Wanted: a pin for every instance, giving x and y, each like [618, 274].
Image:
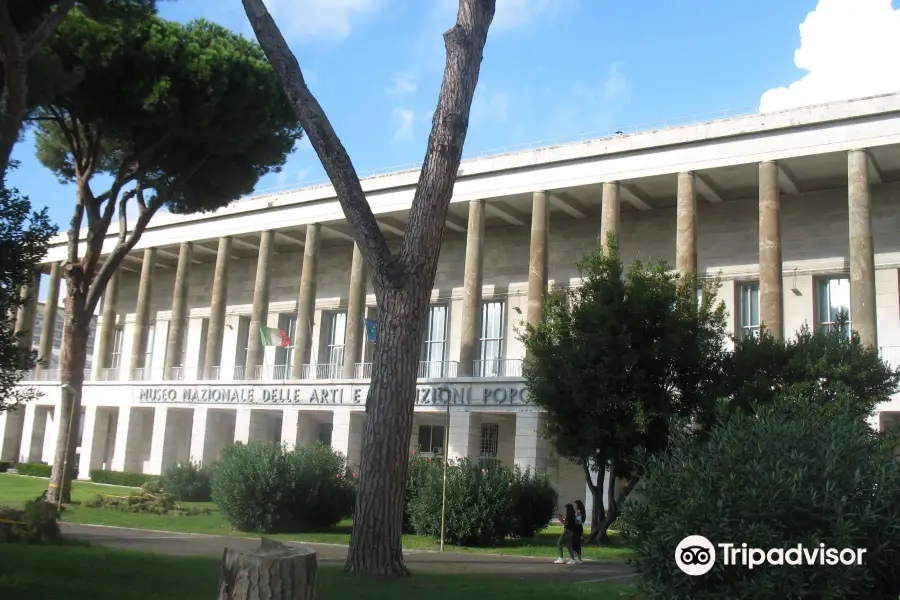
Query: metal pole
[446, 460]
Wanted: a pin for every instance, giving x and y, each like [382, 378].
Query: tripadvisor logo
[695, 555]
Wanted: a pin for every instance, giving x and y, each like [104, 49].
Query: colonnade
[862, 278]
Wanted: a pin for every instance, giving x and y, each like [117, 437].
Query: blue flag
[370, 330]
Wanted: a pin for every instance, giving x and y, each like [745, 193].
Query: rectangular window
[491, 339]
[284, 357]
[490, 442]
[335, 349]
[435, 343]
[115, 357]
[243, 339]
[324, 433]
[748, 309]
[431, 439]
[832, 299]
[201, 359]
[148, 350]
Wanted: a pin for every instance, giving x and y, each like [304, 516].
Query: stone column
[290, 419]
[686, 239]
[198, 434]
[216, 327]
[27, 313]
[771, 282]
[260, 310]
[177, 326]
[473, 280]
[609, 216]
[306, 305]
[862, 252]
[158, 441]
[142, 316]
[26, 443]
[531, 450]
[356, 312]
[107, 336]
[243, 423]
[45, 347]
[538, 263]
[88, 442]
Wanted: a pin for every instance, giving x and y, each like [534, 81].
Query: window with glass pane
[201, 354]
[748, 309]
[115, 357]
[435, 343]
[182, 355]
[148, 350]
[431, 439]
[336, 343]
[491, 339]
[832, 299]
[243, 340]
[284, 357]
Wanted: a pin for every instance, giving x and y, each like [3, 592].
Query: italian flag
[274, 337]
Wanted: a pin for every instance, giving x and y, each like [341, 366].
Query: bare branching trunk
[617, 490]
[14, 55]
[402, 282]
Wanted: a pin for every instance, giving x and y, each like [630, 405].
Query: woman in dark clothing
[580, 516]
[567, 536]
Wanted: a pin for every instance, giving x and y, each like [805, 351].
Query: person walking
[568, 521]
[578, 534]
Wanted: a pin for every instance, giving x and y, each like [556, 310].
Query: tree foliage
[23, 242]
[181, 117]
[803, 468]
[619, 355]
[762, 366]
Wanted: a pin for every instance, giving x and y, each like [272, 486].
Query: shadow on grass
[78, 571]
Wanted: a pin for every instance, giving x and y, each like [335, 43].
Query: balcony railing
[426, 370]
[498, 367]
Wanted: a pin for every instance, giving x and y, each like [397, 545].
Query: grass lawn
[72, 572]
[15, 490]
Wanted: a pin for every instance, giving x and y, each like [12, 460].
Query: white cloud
[320, 19]
[616, 86]
[489, 105]
[404, 118]
[404, 84]
[848, 49]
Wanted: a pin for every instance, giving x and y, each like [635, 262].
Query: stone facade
[796, 225]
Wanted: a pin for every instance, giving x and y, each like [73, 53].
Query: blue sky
[552, 69]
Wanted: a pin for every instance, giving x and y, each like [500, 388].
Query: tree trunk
[72, 360]
[598, 514]
[275, 572]
[376, 545]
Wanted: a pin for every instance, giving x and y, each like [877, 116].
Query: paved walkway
[422, 561]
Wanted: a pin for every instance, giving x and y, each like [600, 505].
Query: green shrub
[533, 503]
[4, 466]
[33, 469]
[479, 504]
[187, 482]
[36, 524]
[151, 499]
[266, 488]
[805, 470]
[418, 469]
[123, 478]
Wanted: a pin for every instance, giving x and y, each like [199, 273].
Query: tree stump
[274, 572]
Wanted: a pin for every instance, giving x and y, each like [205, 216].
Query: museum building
[251, 323]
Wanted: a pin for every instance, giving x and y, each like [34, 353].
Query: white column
[27, 433]
[531, 448]
[51, 427]
[123, 427]
[347, 434]
[158, 441]
[198, 434]
[88, 442]
[460, 443]
[290, 418]
[242, 423]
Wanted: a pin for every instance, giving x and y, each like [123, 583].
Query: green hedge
[4, 466]
[123, 478]
[33, 469]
